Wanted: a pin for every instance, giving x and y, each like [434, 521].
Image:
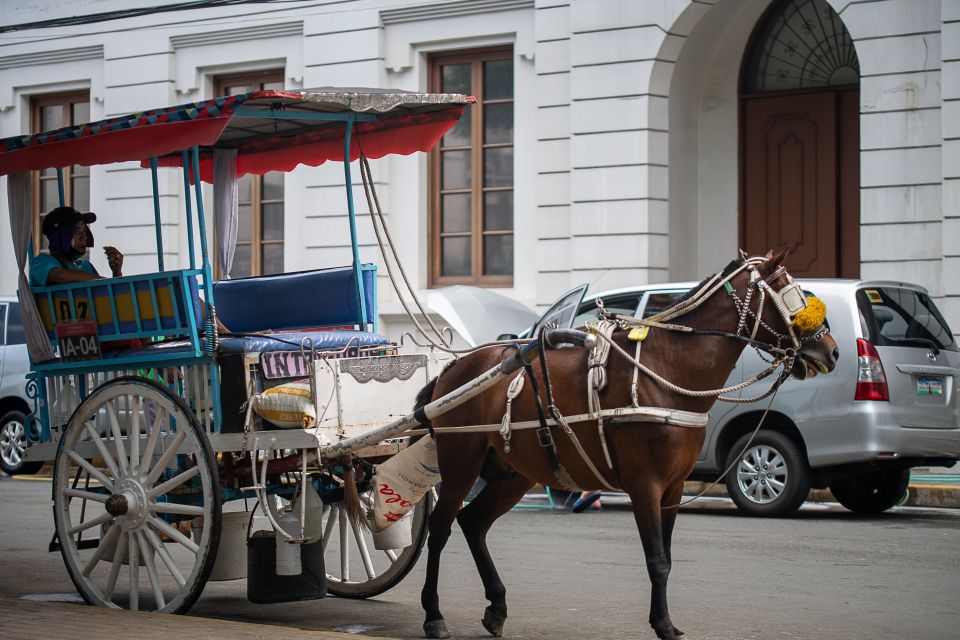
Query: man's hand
[114, 260]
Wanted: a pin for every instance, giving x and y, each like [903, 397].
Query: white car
[14, 404]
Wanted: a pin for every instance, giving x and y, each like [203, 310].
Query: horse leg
[668, 514]
[453, 490]
[496, 498]
[646, 512]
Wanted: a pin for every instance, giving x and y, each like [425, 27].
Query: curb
[941, 496]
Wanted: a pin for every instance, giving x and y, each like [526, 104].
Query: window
[48, 113]
[3, 320]
[15, 332]
[471, 173]
[259, 198]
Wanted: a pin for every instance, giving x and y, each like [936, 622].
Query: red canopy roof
[405, 122]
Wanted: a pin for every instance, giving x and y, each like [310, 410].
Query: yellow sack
[288, 405]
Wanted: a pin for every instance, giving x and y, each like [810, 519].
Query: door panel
[790, 181]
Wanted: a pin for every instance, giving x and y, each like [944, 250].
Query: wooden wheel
[135, 467]
[355, 569]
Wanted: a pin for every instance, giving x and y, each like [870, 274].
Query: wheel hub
[129, 504]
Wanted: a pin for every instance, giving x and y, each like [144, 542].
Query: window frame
[37, 103]
[476, 57]
[220, 84]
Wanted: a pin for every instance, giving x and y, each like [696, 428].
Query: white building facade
[617, 142]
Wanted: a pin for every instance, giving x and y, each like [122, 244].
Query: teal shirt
[43, 264]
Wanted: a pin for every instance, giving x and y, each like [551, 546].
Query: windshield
[563, 310]
[893, 316]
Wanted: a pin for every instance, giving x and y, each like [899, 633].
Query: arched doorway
[799, 105]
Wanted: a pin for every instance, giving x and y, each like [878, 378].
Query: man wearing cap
[69, 237]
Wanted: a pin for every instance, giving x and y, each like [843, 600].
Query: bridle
[788, 301]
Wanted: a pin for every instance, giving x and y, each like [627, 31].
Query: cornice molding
[457, 8]
[258, 32]
[52, 57]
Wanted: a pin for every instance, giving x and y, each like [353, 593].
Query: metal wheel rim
[359, 580]
[166, 566]
[13, 443]
[762, 474]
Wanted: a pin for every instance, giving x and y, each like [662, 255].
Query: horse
[751, 302]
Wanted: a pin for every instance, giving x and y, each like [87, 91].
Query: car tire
[871, 492]
[13, 444]
[768, 478]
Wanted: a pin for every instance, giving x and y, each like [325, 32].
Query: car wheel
[13, 444]
[770, 477]
[871, 492]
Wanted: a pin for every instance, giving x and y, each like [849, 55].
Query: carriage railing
[56, 396]
[141, 307]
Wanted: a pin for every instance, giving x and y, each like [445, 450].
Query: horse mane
[727, 270]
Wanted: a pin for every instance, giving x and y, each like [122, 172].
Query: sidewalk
[29, 620]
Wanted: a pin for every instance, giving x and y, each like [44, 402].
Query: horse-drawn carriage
[164, 430]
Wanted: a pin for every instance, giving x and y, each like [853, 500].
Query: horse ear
[774, 260]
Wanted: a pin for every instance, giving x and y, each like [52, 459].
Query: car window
[3, 323]
[562, 311]
[659, 301]
[903, 317]
[15, 333]
[620, 305]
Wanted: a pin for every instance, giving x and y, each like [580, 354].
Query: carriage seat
[295, 301]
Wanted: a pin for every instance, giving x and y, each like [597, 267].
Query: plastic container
[398, 535]
[231, 562]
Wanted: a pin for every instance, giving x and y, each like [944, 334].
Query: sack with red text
[402, 481]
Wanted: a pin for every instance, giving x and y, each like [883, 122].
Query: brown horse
[649, 461]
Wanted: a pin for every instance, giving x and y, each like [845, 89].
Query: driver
[69, 236]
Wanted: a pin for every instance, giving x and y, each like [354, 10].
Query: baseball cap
[65, 217]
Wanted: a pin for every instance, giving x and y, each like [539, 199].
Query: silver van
[890, 405]
[14, 405]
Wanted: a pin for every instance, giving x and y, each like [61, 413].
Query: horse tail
[425, 395]
[351, 498]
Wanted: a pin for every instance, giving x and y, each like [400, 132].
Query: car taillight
[871, 380]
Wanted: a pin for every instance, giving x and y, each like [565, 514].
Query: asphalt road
[824, 573]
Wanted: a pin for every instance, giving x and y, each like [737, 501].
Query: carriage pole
[553, 339]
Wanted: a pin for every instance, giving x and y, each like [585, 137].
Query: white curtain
[225, 207]
[21, 225]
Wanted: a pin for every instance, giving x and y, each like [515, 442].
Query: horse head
[787, 317]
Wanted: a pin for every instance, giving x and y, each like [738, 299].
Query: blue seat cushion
[291, 341]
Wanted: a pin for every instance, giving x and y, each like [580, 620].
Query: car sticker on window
[873, 296]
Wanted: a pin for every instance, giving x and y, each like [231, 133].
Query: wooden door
[800, 181]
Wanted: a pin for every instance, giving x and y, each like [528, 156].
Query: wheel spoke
[105, 542]
[174, 533]
[391, 554]
[118, 553]
[174, 482]
[328, 529]
[344, 547]
[165, 458]
[362, 546]
[155, 430]
[102, 449]
[89, 524]
[134, 572]
[93, 496]
[117, 436]
[148, 560]
[173, 507]
[92, 470]
[134, 433]
[165, 557]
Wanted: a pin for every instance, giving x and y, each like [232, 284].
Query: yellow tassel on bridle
[811, 318]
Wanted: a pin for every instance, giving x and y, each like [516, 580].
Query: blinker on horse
[647, 449]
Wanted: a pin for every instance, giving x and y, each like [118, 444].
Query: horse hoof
[493, 622]
[678, 635]
[435, 629]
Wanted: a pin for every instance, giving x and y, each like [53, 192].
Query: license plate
[78, 340]
[929, 386]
